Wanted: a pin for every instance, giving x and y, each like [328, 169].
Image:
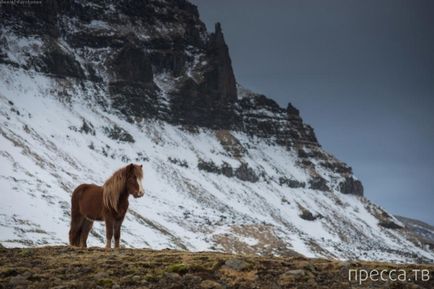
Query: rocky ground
[65, 267]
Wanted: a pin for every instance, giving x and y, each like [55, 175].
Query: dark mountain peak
[156, 59]
[218, 33]
[291, 110]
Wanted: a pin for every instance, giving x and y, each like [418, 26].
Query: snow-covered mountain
[89, 86]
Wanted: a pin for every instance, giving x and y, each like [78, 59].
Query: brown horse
[108, 203]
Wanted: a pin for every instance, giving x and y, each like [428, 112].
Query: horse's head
[134, 180]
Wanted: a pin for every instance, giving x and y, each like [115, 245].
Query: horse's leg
[109, 222]
[77, 218]
[75, 231]
[85, 229]
[117, 227]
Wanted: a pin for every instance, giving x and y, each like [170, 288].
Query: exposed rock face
[351, 186]
[318, 183]
[117, 42]
[132, 64]
[245, 173]
[221, 78]
[210, 99]
[122, 45]
[132, 88]
[264, 117]
[57, 62]
[291, 183]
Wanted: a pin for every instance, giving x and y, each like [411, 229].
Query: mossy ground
[65, 267]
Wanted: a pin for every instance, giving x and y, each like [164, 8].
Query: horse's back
[87, 199]
[86, 187]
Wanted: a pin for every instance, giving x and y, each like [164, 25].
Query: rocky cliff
[131, 46]
[86, 87]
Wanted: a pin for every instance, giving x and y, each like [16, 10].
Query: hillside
[63, 267]
[88, 87]
[419, 230]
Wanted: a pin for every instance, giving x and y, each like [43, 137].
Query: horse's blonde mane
[114, 186]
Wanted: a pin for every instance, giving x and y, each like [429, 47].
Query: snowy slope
[46, 151]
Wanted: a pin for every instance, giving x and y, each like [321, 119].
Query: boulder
[318, 183]
[245, 173]
[351, 186]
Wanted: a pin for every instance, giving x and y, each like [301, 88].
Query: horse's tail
[76, 217]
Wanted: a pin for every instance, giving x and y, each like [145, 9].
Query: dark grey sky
[361, 73]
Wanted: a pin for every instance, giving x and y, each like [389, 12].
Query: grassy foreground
[64, 267]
